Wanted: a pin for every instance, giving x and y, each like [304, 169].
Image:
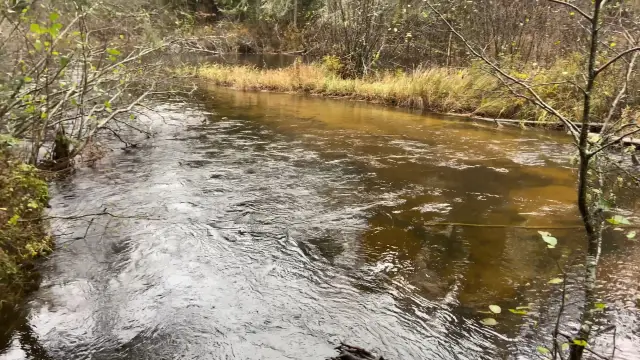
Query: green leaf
[617, 220]
[519, 312]
[580, 342]
[495, 309]
[54, 16]
[14, 219]
[565, 346]
[600, 305]
[113, 52]
[556, 281]
[612, 44]
[36, 29]
[64, 61]
[631, 235]
[54, 29]
[28, 79]
[550, 240]
[33, 204]
[489, 322]
[112, 58]
[543, 350]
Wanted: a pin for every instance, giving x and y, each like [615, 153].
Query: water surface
[269, 226]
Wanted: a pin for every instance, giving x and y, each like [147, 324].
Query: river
[274, 226]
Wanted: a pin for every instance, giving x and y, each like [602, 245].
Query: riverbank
[468, 92]
[23, 196]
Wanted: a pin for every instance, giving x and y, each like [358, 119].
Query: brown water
[273, 226]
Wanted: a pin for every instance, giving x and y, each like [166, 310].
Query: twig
[596, 354]
[115, 133]
[556, 329]
[608, 63]
[613, 352]
[574, 7]
[617, 139]
[76, 217]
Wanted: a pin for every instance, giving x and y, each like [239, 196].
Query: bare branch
[574, 7]
[621, 93]
[614, 141]
[616, 58]
[573, 128]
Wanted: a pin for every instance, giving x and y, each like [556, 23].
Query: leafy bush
[23, 197]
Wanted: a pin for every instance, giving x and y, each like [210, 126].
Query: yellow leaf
[580, 342]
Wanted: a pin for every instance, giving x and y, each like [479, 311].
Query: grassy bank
[444, 90]
[23, 196]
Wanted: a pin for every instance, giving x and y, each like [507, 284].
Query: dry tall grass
[435, 89]
[445, 90]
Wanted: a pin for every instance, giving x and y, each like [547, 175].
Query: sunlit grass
[444, 90]
[435, 89]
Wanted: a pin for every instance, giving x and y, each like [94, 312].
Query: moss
[23, 238]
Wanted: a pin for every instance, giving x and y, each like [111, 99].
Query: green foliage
[598, 307]
[495, 309]
[23, 197]
[332, 64]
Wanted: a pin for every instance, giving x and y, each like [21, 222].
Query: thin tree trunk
[449, 48]
[593, 230]
[295, 14]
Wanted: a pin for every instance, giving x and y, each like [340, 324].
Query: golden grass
[435, 89]
[444, 90]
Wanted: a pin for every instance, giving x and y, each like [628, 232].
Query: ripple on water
[276, 238]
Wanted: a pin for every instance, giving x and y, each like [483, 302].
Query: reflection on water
[273, 226]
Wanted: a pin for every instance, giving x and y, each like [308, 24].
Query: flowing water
[272, 226]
